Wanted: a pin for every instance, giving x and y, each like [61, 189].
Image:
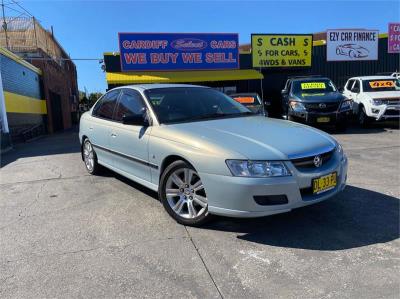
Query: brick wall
[61, 80]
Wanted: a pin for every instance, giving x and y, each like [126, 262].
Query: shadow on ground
[59, 143]
[354, 218]
[357, 217]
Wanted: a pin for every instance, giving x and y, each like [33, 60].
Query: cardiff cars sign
[178, 51]
[352, 45]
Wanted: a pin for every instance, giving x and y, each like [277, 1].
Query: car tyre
[90, 158]
[363, 118]
[183, 195]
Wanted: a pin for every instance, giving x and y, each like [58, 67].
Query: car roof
[309, 79]
[143, 87]
[372, 77]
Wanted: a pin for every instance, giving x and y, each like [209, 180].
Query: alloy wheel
[88, 155]
[185, 193]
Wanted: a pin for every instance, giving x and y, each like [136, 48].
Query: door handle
[90, 128]
[113, 135]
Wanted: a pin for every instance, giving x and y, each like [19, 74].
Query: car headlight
[297, 106]
[340, 151]
[258, 169]
[377, 102]
[346, 104]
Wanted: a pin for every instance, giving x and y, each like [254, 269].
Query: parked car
[207, 155]
[315, 100]
[352, 50]
[375, 98]
[251, 101]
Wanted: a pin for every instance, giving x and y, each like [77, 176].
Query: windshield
[313, 87]
[183, 104]
[381, 85]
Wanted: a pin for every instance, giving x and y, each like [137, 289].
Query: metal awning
[181, 77]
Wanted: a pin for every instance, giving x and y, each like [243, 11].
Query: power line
[20, 6]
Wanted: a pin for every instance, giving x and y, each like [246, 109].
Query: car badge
[322, 105]
[317, 161]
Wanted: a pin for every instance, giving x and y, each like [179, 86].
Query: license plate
[324, 183]
[323, 119]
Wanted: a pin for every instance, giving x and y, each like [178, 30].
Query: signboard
[178, 51]
[394, 38]
[351, 45]
[278, 50]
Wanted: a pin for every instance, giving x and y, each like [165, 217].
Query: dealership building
[39, 90]
[267, 81]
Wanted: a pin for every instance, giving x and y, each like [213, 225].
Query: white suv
[374, 97]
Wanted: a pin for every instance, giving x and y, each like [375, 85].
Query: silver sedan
[206, 154]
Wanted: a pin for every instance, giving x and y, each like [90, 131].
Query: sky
[87, 29]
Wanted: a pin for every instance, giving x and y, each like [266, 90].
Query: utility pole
[4, 25]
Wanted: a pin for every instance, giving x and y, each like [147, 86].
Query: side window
[105, 107]
[356, 86]
[349, 84]
[130, 103]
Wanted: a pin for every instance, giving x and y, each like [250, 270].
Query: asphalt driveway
[64, 233]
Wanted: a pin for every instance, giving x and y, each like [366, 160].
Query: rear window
[381, 85]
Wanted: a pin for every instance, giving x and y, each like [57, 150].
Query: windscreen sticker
[379, 84]
[244, 100]
[313, 85]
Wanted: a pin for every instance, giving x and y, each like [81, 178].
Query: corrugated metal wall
[19, 79]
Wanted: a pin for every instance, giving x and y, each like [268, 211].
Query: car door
[355, 91]
[100, 126]
[130, 142]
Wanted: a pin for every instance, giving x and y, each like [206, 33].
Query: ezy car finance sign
[352, 45]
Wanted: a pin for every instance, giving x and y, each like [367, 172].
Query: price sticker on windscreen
[380, 84]
[244, 100]
[313, 85]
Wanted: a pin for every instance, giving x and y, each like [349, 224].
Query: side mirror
[284, 92]
[355, 90]
[135, 120]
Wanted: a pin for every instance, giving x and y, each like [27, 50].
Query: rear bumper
[234, 196]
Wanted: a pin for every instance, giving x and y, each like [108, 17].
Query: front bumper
[234, 196]
[383, 112]
[312, 117]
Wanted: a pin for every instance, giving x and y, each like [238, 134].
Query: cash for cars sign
[178, 51]
[352, 45]
[394, 38]
[272, 50]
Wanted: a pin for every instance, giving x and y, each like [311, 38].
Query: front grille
[322, 107]
[390, 101]
[308, 191]
[308, 162]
